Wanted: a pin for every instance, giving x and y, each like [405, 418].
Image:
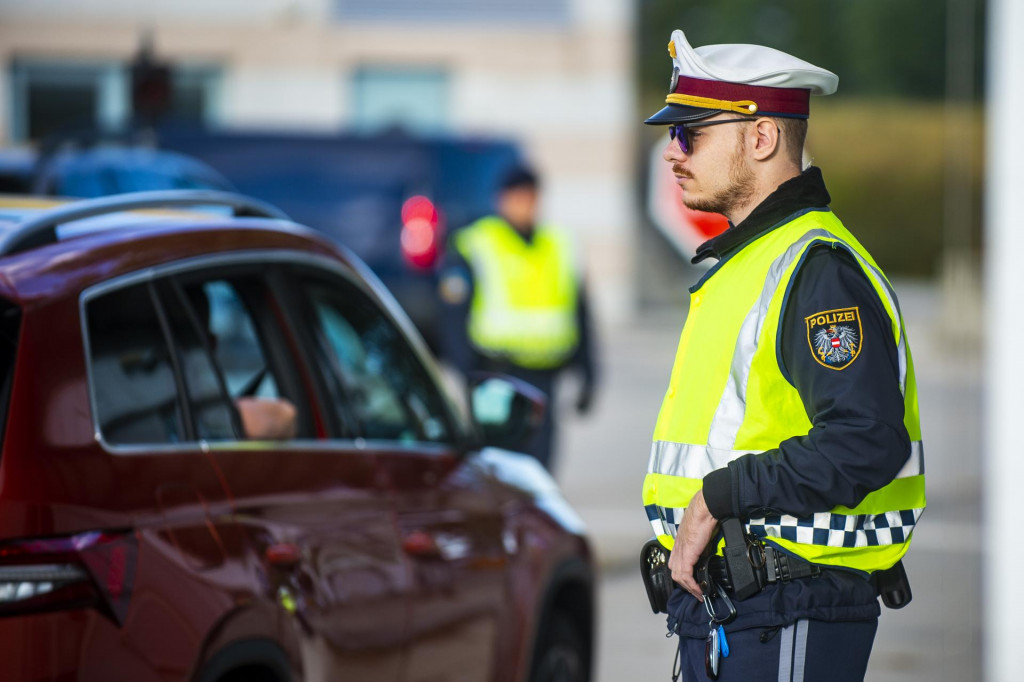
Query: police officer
[514, 302]
[792, 404]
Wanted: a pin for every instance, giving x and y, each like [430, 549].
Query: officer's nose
[672, 152]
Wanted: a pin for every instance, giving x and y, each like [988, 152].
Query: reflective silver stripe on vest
[914, 465]
[732, 407]
[688, 461]
[894, 304]
[697, 461]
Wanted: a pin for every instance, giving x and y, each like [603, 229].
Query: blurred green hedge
[885, 163]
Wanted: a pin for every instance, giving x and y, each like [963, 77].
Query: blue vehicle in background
[390, 198]
[102, 170]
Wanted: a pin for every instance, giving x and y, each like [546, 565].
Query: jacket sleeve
[857, 442]
[455, 292]
[585, 356]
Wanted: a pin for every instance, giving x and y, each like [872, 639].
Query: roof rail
[42, 229]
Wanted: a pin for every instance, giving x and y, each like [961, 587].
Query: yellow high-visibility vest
[728, 396]
[524, 298]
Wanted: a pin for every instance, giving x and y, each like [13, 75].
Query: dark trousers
[806, 651]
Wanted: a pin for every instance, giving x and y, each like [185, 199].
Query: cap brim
[678, 113]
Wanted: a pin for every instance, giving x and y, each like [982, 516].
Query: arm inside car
[267, 418]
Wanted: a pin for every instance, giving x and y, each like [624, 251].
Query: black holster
[893, 586]
[745, 580]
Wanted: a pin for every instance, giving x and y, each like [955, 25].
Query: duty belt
[776, 567]
[749, 564]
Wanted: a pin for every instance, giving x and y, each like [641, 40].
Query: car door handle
[283, 554]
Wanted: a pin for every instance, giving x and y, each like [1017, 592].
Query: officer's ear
[766, 139]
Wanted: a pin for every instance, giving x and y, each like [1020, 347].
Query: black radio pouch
[893, 586]
[656, 575]
[745, 580]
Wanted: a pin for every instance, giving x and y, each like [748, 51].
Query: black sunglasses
[680, 131]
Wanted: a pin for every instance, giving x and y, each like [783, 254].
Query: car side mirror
[508, 412]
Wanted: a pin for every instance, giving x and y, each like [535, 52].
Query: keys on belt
[716, 646]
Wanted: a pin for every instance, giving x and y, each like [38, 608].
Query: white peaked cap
[745, 79]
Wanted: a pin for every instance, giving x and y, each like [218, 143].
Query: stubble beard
[737, 193]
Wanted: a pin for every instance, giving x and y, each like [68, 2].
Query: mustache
[678, 170]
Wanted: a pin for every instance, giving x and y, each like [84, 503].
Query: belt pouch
[656, 575]
[893, 586]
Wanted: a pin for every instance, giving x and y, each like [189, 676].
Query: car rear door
[448, 520]
[316, 522]
[150, 469]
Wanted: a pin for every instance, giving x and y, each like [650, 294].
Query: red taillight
[421, 232]
[93, 569]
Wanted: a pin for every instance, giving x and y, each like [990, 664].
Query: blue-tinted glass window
[380, 382]
[385, 97]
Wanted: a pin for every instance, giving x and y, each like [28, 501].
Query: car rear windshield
[10, 322]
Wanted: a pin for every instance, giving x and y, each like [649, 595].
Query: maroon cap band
[791, 101]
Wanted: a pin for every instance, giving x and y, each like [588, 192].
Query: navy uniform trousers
[806, 651]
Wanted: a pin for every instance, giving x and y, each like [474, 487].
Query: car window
[96, 183]
[385, 388]
[226, 365]
[174, 361]
[135, 392]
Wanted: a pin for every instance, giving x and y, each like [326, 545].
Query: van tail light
[422, 230]
[89, 570]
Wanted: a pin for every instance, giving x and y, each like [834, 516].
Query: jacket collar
[806, 190]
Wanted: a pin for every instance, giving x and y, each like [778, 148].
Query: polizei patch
[835, 337]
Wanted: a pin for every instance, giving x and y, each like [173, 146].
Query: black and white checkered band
[664, 520]
[831, 530]
[840, 530]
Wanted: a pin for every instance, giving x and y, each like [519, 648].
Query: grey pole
[1003, 576]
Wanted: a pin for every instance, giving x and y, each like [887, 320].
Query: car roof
[75, 254]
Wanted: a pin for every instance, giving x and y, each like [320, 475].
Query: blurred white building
[557, 75]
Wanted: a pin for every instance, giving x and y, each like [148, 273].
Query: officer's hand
[694, 535]
[584, 399]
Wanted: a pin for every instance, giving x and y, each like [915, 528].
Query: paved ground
[934, 639]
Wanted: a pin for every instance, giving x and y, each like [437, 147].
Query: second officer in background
[514, 301]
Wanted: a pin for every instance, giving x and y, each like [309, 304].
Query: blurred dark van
[389, 197]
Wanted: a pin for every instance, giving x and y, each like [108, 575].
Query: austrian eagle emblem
[835, 337]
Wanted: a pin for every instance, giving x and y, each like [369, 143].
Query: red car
[227, 456]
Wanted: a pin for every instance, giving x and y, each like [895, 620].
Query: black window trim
[179, 293]
[356, 273]
[184, 404]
